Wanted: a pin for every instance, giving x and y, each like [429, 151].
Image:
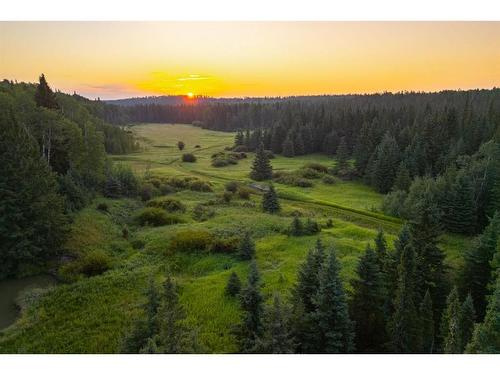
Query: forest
[328, 224]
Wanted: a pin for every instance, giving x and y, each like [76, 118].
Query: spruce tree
[367, 306]
[383, 165]
[246, 248]
[402, 180]
[334, 328]
[460, 206]
[477, 274]
[288, 148]
[427, 324]
[303, 324]
[172, 333]
[239, 139]
[296, 227]
[276, 338]
[342, 155]
[450, 325]
[249, 332]
[270, 202]
[233, 286]
[44, 96]
[467, 320]
[486, 336]
[298, 145]
[404, 327]
[261, 167]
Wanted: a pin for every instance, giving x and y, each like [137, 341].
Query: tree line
[52, 160]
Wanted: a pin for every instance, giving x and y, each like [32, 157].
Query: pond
[10, 289]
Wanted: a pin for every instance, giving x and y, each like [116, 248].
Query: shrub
[244, 192]
[92, 263]
[291, 179]
[138, 244]
[166, 189]
[232, 186]
[302, 182]
[329, 180]
[241, 148]
[224, 245]
[156, 217]
[309, 173]
[188, 158]
[233, 286]
[103, 206]
[197, 146]
[329, 223]
[148, 191]
[317, 167]
[227, 196]
[297, 228]
[198, 185]
[169, 204]
[202, 212]
[269, 154]
[181, 145]
[311, 227]
[191, 241]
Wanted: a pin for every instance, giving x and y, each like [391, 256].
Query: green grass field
[93, 314]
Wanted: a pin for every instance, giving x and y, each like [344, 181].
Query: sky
[237, 59]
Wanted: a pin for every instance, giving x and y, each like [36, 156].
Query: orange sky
[121, 59]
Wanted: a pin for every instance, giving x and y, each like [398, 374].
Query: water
[10, 289]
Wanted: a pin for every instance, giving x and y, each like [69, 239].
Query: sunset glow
[115, 60]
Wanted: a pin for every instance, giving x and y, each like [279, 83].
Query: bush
[198, 185]
[156, 217]
[241, 148]
[317, 167]
[232, 186]
[138, 244]
[227, 196]
[191, 241]
[269, 154]
[169, 204]
[329, 223]
[244, 192]
[297, 228]
[166, 189]
[188, 158]
[291, 179]
[233, 286]
[197, 146]
[148, 191]
[309, 173]
[103, 206]
[302, 182]
[92, 263]
[329, 180]
[202, 212]
[224, 245]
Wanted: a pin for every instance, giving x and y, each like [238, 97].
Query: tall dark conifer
[261, 167]
[44, 96]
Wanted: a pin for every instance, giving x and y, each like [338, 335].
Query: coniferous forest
[233, 256]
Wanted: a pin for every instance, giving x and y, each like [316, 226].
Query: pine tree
[261, 167]
[402, 180]
[460, 206]
[44, 96]
[427, 324]
[367, 306]
[467, 320]
[486, 337]
[383, 165]
[249, 332]
[239, 139]
[342, 155]
[334, 329]
[233, 286]
[296, 227]
[404, 327]
[276, 337]
[270, 202]
[246, 249]
[477, 274]
[381, 249]
[172, 333]
[298, 145]
[288, 147]
[450, 325]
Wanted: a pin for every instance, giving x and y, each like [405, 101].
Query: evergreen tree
[249, 332]
[288, 147]
[239, 139]
[486, 337]
[270, 202]
[477, 274]
[384, 164]
[246, 249]
[460, 206]
[404, 327]
[334, 329]
[276, 337]
[450, 325]
[44, 96]
[296, 228]
[181, 145]
[233, 286]
[342, 155]
[298, 145]
[32, 219]
[427, 324]
[172, 333]
[367, 306]
[402, 180]
[261, 167]
[467, 320]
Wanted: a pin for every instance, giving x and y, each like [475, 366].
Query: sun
[190, 95]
